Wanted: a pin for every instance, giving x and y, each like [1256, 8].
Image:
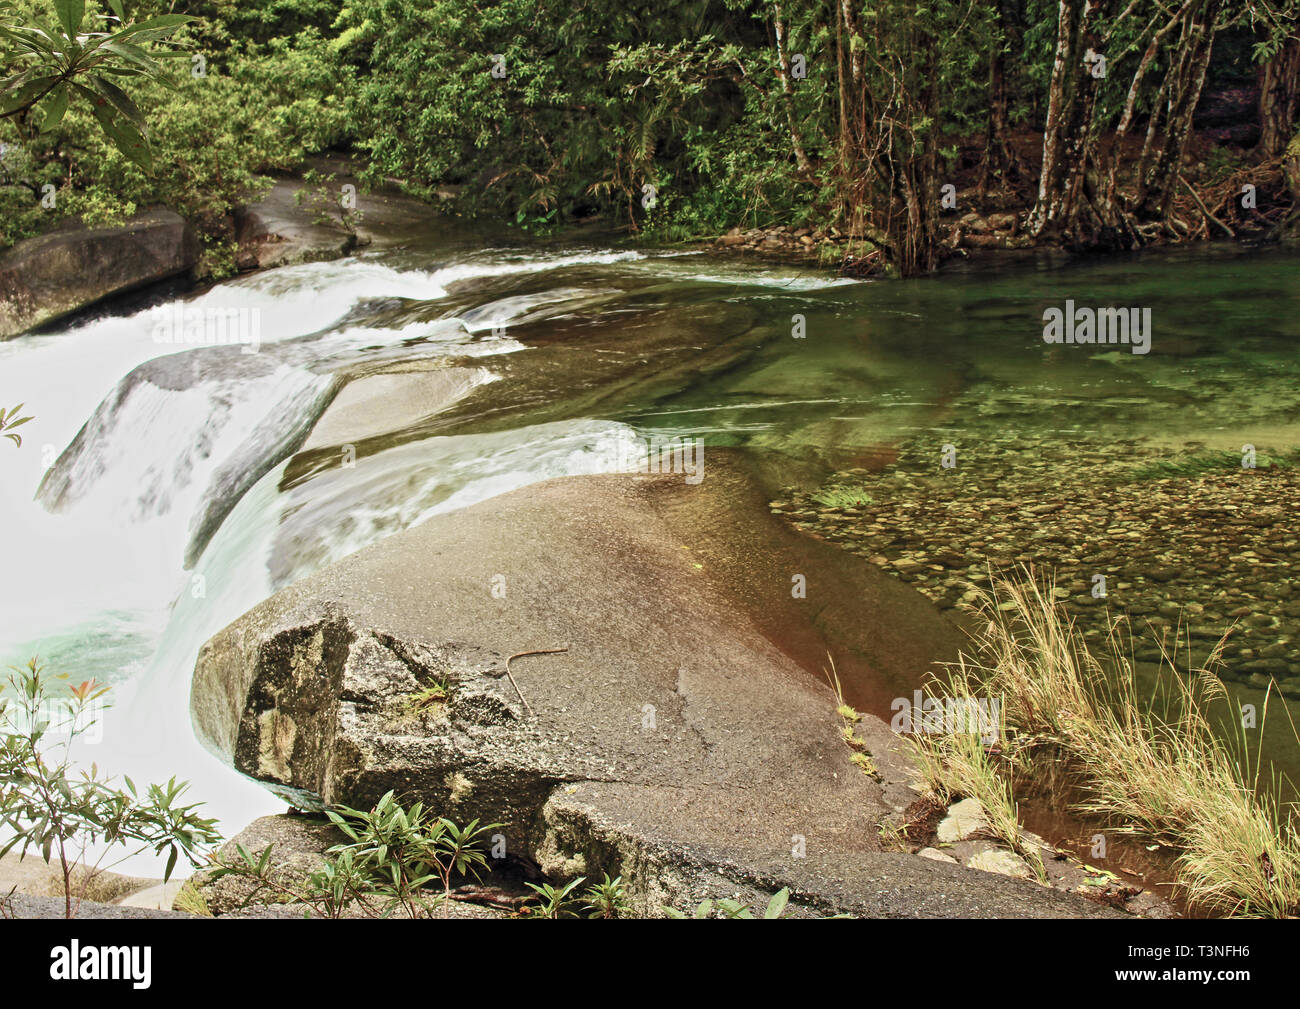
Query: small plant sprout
[731, 908]
[431, 699]
[606, 899]
[849, 718]
[554, 902]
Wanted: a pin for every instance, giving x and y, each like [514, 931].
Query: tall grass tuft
[1153, 767]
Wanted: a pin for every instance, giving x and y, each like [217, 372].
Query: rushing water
[161, 491]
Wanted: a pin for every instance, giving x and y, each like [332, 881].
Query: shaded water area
[179, 488]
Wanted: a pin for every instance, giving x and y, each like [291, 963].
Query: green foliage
[396, 860]
[842, 496]
[1191, 464]
[322, 194]
[50, 64]
[431, 698]
[587, 107]
[404, 850]
[217, 134]
[727, 908]
[606, 899]
[48, 806]
[552, 901]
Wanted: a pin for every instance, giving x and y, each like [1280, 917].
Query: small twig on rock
[520, 655]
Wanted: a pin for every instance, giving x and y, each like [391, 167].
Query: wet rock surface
[670, 742]
[302, 222]
[960, 835]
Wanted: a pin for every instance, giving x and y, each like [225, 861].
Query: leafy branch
[47, 805]
[59, 61]
[7, 424]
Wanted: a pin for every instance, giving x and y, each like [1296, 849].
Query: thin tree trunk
[1000, 159]
[1279, 98]
[787, 94]
[1158, 172]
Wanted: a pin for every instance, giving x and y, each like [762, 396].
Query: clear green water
[887, 361]
[957, 358]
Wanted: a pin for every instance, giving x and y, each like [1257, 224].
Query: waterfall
[144, 510]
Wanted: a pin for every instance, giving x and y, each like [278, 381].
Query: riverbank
[74, 272]
[301, 219]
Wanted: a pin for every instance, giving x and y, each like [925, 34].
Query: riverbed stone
[378, 404]
[1183, 555]
[964, 819]
[1002, 862]
[298, 848]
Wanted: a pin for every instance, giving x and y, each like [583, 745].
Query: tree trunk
[1161, 163]
[1000, 159]
[787, 94]
[1107, 201]
[1279, 98]
[1067, 137]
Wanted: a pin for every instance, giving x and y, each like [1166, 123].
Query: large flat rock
[300, 222]
[45, 278]
[672, 742]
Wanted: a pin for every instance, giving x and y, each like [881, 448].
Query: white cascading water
[96, 583]
[143, 512]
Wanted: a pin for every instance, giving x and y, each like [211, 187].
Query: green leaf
[71, 14]
[131, 53]
[160, 23]
[124, 134]
[34, 40]
[55, 108]
[26, 95]
[119, 99]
